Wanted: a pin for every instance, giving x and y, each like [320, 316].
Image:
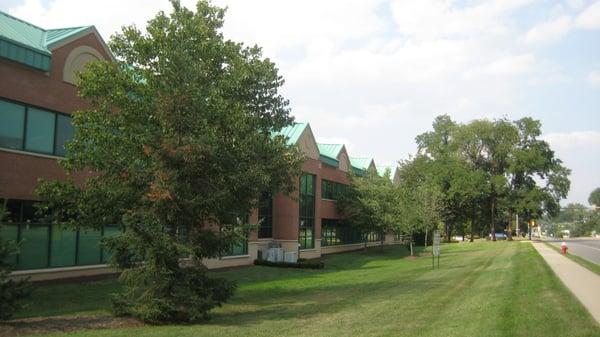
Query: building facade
[37, 97]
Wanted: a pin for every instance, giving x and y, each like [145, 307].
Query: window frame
[28, 106]
[307, 197]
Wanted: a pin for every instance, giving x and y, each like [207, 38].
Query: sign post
[436, 249]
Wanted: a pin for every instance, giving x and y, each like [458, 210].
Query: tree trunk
[425, 237]
[411, 249]
[492, 225]
[509, 230]
[448, 233]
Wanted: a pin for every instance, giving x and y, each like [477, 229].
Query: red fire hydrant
[564, 248]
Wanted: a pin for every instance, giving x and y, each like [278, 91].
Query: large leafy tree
[420, 202]
[370, 203]
[594, 198]
[488, 168]
[537, 180]
[178, 140]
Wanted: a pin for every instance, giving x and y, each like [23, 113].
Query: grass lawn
[589, 265]
[481, 289]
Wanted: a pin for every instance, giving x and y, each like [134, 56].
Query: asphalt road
[588, 248]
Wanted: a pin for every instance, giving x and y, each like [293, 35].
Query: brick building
[37, 96]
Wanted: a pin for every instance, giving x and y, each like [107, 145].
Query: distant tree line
[470, 179]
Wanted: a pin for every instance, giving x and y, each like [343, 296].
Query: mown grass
[589, 265]
[481, 289]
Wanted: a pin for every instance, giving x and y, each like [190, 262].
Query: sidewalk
[584, 284]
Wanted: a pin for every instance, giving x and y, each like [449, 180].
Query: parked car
[499, 236]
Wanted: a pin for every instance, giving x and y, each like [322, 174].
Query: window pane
[63, 247]
[12, 120]
[40, 131]
[89, 247]
[64, 133]
[34, 247]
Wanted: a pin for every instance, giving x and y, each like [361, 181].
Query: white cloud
[590, 17]
[568, 141]
[580, 151]
[373, 74]
[550, 30]
[594, 77]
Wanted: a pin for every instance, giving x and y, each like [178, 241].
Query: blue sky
[374, 73]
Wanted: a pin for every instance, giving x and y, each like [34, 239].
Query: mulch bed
[43, 325]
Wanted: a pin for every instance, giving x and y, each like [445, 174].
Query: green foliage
[371, 203]
[12, 292]
[594, 198]
[487, 170]
[178, 141]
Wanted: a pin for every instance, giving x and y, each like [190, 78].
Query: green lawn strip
[81, 298]
[589, 265]
[481, 289]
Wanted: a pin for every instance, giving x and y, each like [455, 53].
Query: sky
[373, 74]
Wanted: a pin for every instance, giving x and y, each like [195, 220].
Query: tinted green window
[63, 247]
[265, 214]
[307, 211]
[89, 247]
[10, 232]
[12, 120]
[40, 131]
[34, 247]
[64, 133]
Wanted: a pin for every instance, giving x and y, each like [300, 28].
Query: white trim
[34, 154]
[342, 246]
[69, 75]
[285, 240]
[83, 33]
[234, 257]
[308, 250]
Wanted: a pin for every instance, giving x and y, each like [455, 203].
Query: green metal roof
[361, 163]
[292, 132]
[28, 44]
[328, 153]
[330, 150]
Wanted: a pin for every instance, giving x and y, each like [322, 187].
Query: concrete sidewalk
[584, 284]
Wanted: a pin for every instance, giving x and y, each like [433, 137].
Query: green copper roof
[328, 153]
[330, 150]
[28, 44]
[361, 163]
[292, 132]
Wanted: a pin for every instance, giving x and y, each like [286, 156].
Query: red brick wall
[286, 212]
[19, 172]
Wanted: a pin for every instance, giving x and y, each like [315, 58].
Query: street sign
[436, 248]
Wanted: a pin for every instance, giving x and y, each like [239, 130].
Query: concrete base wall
[313, 253]
[224, 262]
[63, 273]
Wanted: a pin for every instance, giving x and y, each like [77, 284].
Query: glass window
[12, 120]
[63, 247]
[89, 247]
[33, 248]
[40, 131]
[333, 233]
[307, 211]
[64, 133]
[265, 214]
